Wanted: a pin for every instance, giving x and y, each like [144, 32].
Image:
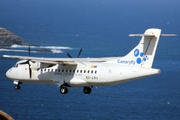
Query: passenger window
[81, 71]
[62, 70]
[91, 71]
[66, 70]
[88, 71]
[95, 72]
[77, 71]
[59, 70]
[84, 71]
[73, 71]
[70, 71]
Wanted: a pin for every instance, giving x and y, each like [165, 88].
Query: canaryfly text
[128, 62]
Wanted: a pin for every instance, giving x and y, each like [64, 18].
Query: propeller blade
[29, 50]
[79, 52]
[69, 55]
[77, 56]
[30, 71]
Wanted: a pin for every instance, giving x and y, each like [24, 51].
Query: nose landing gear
[17, 87]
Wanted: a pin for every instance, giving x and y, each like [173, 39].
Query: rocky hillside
[8, 38]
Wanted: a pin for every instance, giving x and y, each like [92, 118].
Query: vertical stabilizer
[145, 51]
[143, 54]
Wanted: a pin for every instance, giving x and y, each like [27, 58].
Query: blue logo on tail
[139, 56]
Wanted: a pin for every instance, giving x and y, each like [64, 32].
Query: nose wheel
[17, 87]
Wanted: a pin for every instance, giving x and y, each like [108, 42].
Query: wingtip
[5, 56]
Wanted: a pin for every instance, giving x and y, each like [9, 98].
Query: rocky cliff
[8, 38]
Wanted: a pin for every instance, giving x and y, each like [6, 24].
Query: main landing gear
[64, 90]
[87, 90]
[17, 87]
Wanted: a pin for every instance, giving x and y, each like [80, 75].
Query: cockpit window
[16, 65]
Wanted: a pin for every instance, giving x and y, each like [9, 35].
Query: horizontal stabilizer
[146, 35]
[168, 35]
[150, 35]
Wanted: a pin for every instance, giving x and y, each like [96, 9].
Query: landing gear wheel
[17, 87]
[64, 90]
[87, 90]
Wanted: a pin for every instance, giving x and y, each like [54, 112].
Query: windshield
[16, 65]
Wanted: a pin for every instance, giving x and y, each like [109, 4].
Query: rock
[8, 38]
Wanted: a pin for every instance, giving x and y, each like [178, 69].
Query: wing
[71, 61]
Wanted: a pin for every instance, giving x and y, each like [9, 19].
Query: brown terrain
[8, 38]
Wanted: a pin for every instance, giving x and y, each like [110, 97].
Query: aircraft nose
[8, 73]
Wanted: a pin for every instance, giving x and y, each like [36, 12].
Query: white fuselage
[83, 74]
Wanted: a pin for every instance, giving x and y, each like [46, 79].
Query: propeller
[79, 52]
[28, 62]
[30, 71]
[69, 55]
[77, 56]
[29, 50]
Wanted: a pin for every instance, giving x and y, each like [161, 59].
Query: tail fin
[145, 51]
[143, 54]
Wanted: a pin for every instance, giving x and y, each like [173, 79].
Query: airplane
[89, 72]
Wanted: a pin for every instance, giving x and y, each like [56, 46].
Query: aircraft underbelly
[77, 82]
[121, 77]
